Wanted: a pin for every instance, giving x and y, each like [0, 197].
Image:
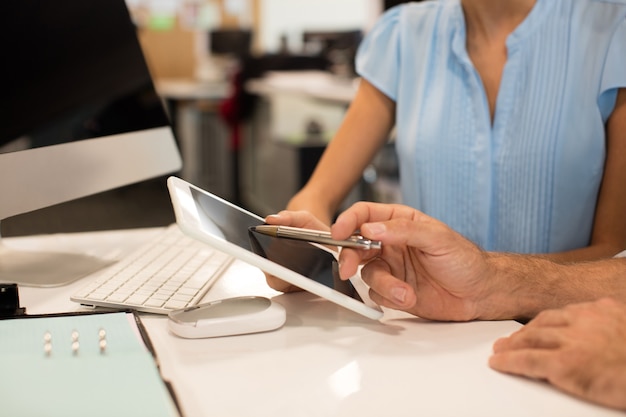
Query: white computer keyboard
[171, 271]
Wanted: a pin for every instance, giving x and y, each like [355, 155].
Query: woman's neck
[494, 19]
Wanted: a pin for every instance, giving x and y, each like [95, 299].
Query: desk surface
[189, 89]
[319, 85]
[325, 361]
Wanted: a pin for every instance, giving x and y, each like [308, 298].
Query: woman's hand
[301, 219]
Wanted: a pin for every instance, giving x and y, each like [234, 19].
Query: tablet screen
[232, 224]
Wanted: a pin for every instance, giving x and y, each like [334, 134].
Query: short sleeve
[378, 57]
[614, 73]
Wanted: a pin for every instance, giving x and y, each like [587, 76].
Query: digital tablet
[227, 227]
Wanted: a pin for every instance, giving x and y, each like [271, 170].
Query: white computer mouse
[227, 317]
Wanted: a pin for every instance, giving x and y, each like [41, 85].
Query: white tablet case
[195, 223]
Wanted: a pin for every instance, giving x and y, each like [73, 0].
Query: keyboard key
[154, 303]
[174, 304]
[137, 299]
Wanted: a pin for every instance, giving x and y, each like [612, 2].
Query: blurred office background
[254, 89]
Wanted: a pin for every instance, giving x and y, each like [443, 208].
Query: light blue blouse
[528, 182]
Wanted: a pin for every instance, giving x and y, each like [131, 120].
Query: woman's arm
[609, 227]
[364, 130]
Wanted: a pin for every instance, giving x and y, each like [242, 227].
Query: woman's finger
[301, 218]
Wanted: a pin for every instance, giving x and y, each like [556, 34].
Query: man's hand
[580, 349]
[424, 267]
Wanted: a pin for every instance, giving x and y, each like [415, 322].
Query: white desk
[318, 85]
[189, 89]
[325, 361]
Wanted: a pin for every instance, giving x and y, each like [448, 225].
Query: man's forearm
[522, 286]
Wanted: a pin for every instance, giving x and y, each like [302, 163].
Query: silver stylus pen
[317, 236]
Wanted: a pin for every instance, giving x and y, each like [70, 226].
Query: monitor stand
[45, 269]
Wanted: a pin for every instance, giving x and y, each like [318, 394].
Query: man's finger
[551, 318]
[397, 293]
[359, 213]
[533, 363]
[397, 225]
[529, 338]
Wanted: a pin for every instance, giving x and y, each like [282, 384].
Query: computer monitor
[338, 47]
[230, 42]
[79, 115]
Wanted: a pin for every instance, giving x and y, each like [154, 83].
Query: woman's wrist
[316, 205]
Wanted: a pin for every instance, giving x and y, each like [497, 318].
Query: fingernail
[376, 228]
[398, 294]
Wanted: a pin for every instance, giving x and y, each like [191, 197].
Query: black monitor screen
[73, 73]
[234, 42]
